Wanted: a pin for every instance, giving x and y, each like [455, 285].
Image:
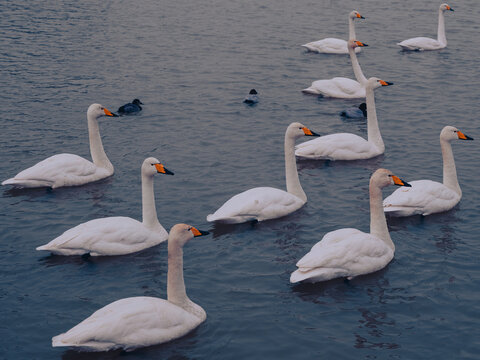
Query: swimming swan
[117, 235]
[341, 87]
[334, 45]
[68, 169]
[346, 146]
[350, 252]
[263, 203]
[427, 197]
[141, 321]
[425, 43]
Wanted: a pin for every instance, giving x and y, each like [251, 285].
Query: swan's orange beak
[309, 132]
[108, 113]
[462, 136]
[359, 43]
[400, 182]
[360, 16]
[449, 8]
[385, 83]
[163, 170]
[197, 232]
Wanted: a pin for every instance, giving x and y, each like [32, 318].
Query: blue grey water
[192, 64]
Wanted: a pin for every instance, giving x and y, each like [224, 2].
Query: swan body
[142, 321]
[334, 45]
[341, 87]
[130, 108]
[116, 235]
[68, 169]
[264, 203]
[351, 252]
[345, 146]
[425, 43]
[355, 111]
[427, 197]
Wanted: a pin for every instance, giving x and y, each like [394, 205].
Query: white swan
[117, 235]
[68, 169]
[424, 43]
[427, 197]
[334, 45]
[350, 252]
[345, 146]
[263, 203]
[142, 321]
[341, 87]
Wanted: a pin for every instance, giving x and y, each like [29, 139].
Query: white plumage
[265, 203]
[334, 45]
[345, 146]
[116, 235]
[68, 169]
[142, 321]
[350, 252]
[341, 87]
[424, 43]
[427, 197]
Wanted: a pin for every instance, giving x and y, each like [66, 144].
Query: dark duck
[130, 108]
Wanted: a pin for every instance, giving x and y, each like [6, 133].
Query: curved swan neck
[351, 29]
[450, 179]
[441, 37]
[97, 152]
[374, 135]
[176, 293]
[378, 223]
[291, 174]
[356, 66]
[149, 211]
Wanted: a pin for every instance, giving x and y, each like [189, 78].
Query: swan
[142, 321]
[346, 146]
[264, 203]
[68, 169]
[334, 45]
[359, 111]
[341, 87]
[424, 43]
[427, 197]
[117, 235]
[130, 108]
[350, 252]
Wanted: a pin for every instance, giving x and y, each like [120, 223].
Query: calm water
[192, 63]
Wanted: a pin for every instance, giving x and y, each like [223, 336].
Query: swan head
[297, 130]
[445, 7]
[383, 178]
[355, 15]
[355, 43]
[137, 102]
[180, 234]
[375, 82]
[450, 133]
[97, 110]
[151, 166]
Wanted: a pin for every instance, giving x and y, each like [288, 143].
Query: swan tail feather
[28, 183]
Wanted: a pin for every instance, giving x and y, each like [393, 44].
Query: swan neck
[356, 66]
[441, 37]
[97, 152]
[378, 222]
[291, 174]
[351, 29]
[176, 293]
[374, 135]
[450, 179]
[149, 211]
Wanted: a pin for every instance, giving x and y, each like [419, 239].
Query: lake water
[191, 64]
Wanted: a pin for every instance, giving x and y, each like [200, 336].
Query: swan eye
[190, 228]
